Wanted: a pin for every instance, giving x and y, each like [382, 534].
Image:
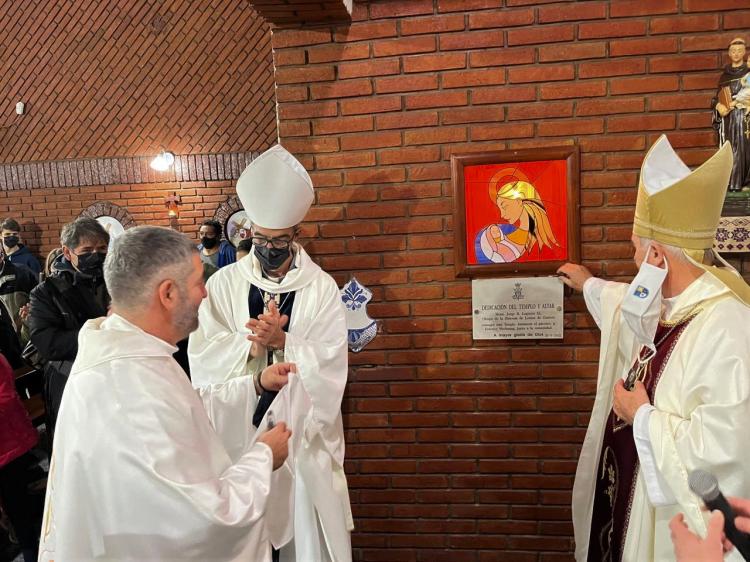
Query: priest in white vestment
[673, 391]
[275, 305]
[137, 471]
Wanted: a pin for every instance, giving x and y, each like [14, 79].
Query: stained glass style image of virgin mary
[516, 212]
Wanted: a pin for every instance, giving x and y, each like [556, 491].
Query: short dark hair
[245, 245]
[216, 225]
[10, 224]
[82, 229]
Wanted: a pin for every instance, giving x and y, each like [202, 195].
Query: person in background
[214, 250]
[73, 294]
[52, 258]
[17, 437]
[16, 283]
[244, 248]
[16, 252]
[138, 471]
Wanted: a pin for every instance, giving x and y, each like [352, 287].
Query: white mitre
[275, 189]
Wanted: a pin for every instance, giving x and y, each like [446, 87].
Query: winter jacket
[16, 283]
[227, 253]
[23, 256]
[17, 434]
[60, 305]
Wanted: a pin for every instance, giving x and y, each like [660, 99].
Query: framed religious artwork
[515, 211]
[112, 217]
[237, 228]
[233, 219]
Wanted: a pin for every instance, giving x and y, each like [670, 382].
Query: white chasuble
[316, 342]
[138, 472]
[702, 404]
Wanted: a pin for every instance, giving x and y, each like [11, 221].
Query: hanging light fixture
[163, 161]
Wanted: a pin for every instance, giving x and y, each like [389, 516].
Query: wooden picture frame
[523, 211]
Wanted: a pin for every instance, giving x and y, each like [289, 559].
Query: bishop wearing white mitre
[277, 305]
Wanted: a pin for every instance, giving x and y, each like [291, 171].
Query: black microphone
[705, 485]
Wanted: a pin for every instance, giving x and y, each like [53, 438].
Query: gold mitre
[682, 208]
[677, 206]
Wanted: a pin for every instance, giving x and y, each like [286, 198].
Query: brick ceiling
[133, 77]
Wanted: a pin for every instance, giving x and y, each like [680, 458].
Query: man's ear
[167, 292]
[66, 252]
[656, 254]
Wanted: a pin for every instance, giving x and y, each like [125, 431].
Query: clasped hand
[268, 329]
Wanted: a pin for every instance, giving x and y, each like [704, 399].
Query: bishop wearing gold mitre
[673, 390]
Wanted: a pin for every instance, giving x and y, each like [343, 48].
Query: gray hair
[143, 257]
[675, 253]
[73, 233]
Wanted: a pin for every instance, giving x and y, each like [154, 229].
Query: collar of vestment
[105, 339]
[304, 272]
[703, 290]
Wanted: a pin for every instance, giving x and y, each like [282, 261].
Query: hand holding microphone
[688, 547]
[742, 509]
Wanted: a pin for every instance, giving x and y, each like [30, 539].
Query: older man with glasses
[276, 305]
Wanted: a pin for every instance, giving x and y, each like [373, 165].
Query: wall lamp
[163, 161]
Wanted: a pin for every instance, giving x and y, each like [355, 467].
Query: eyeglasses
[277, 243]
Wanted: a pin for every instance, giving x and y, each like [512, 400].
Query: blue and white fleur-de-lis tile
[362, 329]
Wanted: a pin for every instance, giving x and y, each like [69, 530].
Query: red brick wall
[461, 450]
[45, 195]
[133, 78]
[42, 212]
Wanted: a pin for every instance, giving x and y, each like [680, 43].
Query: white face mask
[641, 307]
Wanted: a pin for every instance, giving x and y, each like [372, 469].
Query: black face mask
[10, 241]
[271, 258]
[91, 263]
[209, 243]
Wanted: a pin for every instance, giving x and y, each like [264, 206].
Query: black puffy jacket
[60, 306]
